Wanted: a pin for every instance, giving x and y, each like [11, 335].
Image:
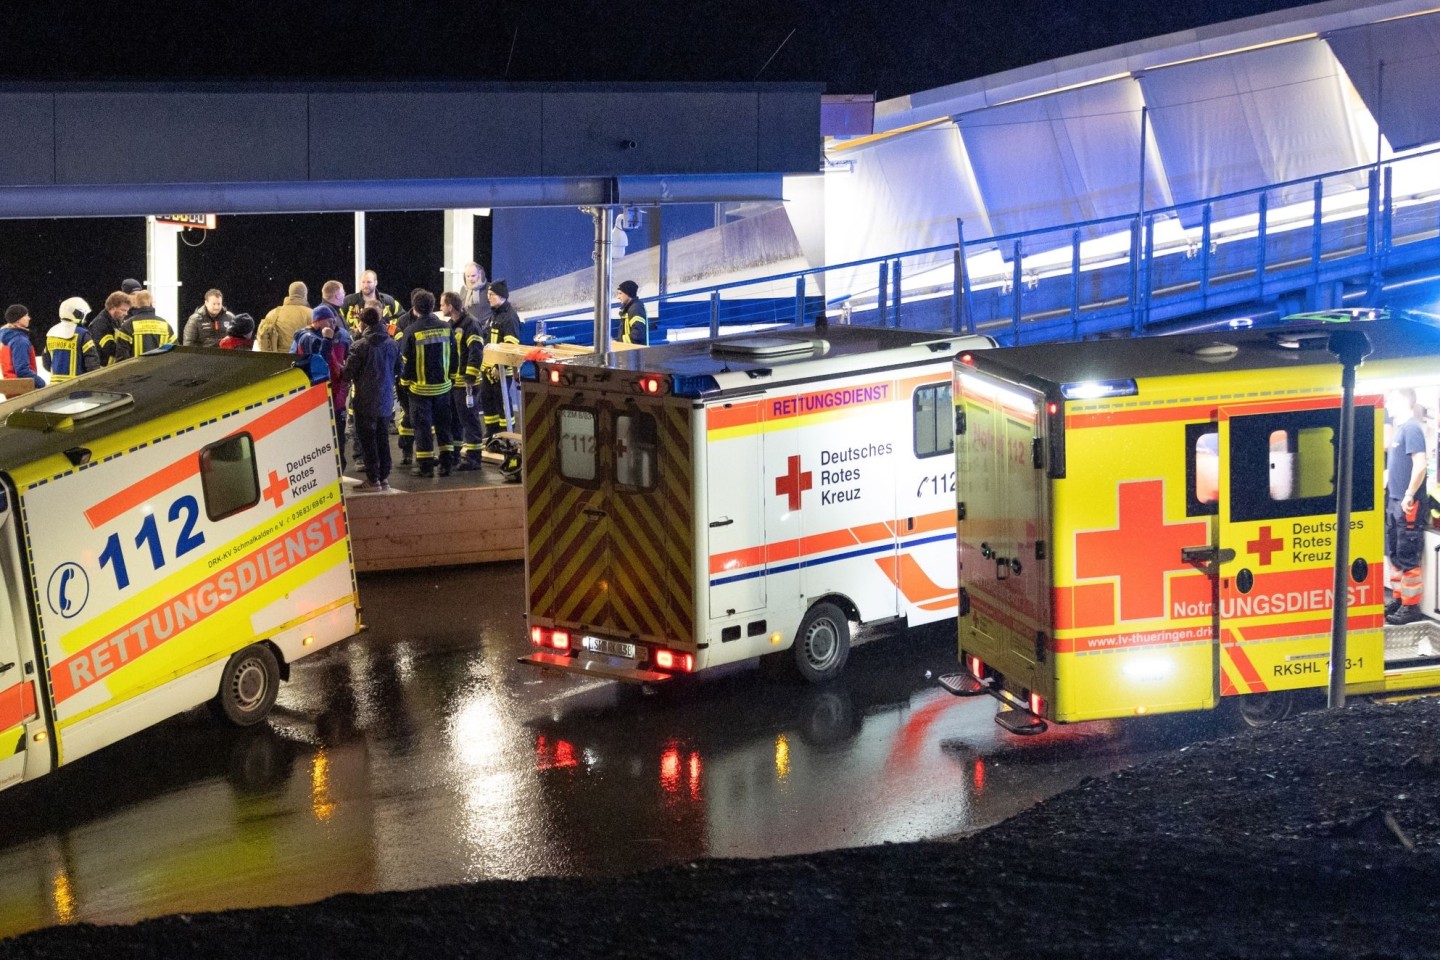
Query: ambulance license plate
[612, 648]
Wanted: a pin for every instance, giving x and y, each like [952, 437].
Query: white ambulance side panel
[925, 497]
[159, 594]
[733, 513]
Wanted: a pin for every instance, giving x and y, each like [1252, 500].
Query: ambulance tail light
[677, 662]
[977, 668]
[1055, 437]
[651, 386]
[554, 375]
[968, 359]
[1037, 704]
[556, 639]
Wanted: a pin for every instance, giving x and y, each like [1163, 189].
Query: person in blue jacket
[17, 352]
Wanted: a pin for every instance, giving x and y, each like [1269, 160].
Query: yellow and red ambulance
[171, 533]
[1148, 525]
[705, 502]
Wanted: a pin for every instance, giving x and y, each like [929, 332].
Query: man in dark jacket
[127, 287]
[372, 367]
[352, 305]
[103, 325]
[634, 325]
[207, 325]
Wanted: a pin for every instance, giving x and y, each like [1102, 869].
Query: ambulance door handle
[722, 522]
[1203, 556]
[594, 514]
[6, 667]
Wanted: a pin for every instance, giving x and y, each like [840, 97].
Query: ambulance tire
[248, 686]
[1258, 711]
[822, 644]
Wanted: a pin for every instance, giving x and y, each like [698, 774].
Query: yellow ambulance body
[1148, 525]
[171, 533]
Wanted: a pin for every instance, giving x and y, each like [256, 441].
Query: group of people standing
[431, 366]
[82, 341]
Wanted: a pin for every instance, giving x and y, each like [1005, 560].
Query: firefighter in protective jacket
[427, 361]
[504, 327]
[69, 348]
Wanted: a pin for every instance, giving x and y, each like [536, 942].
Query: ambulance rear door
[21, 756]
[1003, 508]
[1276, 540]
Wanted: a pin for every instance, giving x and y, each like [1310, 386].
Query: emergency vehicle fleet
[1148, 525]
[171, 533]
[705, 502]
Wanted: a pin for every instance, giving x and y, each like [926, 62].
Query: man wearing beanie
[17, 353]
[504, 327]
[634, 325]
[239, 333]
[278, 328]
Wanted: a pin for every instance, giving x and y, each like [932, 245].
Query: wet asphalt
[421, 753]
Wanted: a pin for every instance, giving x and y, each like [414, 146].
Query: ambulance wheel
[1262, 710]
[248, 686]
[823, 643]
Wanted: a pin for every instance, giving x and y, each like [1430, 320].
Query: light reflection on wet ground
[420, 753]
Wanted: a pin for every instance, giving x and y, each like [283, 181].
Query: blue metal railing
[1304, 242]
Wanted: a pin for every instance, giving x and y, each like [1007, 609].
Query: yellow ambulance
[171, 533]
[1149, 525]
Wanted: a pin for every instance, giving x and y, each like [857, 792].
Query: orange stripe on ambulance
[200, 601]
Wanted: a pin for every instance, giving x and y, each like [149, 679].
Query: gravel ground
[1317, 838]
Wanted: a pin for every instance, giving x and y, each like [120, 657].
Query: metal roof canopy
[84, 150]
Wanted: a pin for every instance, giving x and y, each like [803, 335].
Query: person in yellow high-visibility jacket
[634, 324]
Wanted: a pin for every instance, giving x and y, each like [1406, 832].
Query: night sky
[865, 46]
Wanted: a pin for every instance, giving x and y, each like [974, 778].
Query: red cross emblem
[1140, 551]
[1265, 545]
[793, 483]
[275, 490]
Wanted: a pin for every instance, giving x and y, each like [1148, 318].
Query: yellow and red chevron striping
[628, 566]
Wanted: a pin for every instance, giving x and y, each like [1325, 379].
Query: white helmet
[75, 308]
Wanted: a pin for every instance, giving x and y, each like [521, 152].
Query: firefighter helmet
[74, 308]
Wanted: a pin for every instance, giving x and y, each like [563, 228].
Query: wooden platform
[460, 519]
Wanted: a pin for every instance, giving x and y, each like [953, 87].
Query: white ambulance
[171, 533]
[705, 502]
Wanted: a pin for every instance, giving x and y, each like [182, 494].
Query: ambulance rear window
[934, 420]
[636, 446]
[229, 477]
[577, 438]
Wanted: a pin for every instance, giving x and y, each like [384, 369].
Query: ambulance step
[964, 685]
[1021, 722]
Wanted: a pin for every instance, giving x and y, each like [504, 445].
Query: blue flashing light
[1098, 389]
[530, 371]
[693, 385]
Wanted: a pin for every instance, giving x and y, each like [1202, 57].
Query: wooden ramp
[473, 517]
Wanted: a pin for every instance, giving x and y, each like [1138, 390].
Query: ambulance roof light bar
[1098, 389]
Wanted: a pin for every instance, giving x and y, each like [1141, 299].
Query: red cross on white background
[275, 489]
[1141, 550]
[793, 483]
